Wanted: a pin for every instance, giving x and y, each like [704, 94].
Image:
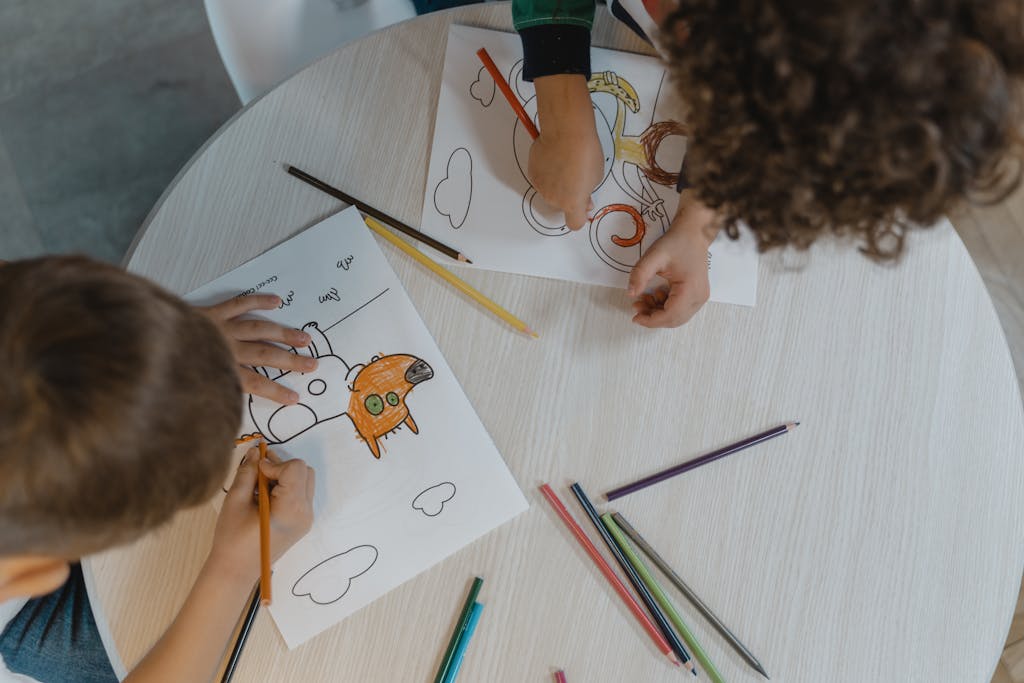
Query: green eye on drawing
[392, 398]
[374, 404]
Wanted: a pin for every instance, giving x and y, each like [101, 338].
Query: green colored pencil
[467, 609]
[659, 594]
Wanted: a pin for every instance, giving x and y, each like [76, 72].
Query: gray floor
[101, 103]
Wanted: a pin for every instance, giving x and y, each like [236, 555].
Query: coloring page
[478, 198]
[406, 474]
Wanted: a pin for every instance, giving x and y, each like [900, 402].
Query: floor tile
[18, 236]
[95, 153]
[46, 42]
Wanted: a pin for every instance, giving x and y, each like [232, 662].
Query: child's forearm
[194, 645]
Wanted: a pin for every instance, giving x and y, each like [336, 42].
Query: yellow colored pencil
[452, 279]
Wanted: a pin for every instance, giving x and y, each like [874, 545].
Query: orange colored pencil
[263, 487]
[502, 84]
[609, 573]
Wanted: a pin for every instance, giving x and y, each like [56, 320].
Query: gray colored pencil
[740, 648]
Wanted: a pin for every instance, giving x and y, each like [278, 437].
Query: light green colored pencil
[662, 598]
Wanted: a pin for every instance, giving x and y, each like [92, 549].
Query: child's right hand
[236, 540]
[566, 161]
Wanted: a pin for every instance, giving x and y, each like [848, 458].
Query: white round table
[880, 541]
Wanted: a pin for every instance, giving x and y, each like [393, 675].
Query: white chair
[263, 42]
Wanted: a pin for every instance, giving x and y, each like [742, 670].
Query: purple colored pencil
[697, 462]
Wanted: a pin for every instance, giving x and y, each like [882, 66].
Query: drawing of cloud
[431, 501]
[453, 194]
[482, 89]
[328, 581]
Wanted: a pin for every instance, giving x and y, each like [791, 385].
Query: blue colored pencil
[460, 649]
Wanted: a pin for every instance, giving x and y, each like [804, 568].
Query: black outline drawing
[448, 178]
[328, 402]
[431, 488]
[309, 594]
[482, 79]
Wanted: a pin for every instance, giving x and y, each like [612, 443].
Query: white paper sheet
[438, 483]
[479, 200]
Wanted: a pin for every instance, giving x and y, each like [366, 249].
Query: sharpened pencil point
[530, 332]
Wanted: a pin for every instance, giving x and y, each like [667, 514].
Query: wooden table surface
[882, 540]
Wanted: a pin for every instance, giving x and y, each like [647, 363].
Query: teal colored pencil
[460, 650]
[659, 594]
[467, 609]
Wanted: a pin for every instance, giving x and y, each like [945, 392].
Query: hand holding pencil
[236, 540]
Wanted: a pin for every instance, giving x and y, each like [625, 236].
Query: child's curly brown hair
[851, 116]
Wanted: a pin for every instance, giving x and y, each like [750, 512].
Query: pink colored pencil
[609, 573]
[502, 84]
[560, 676]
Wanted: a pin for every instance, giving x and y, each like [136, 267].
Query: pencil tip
[466, 259]
[530, 332]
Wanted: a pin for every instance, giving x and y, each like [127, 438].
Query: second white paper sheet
[479, 200]
[406, 474]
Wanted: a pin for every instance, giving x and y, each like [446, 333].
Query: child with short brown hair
[119, 404]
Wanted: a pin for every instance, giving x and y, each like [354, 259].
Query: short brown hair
[848, 116]
[118, 406]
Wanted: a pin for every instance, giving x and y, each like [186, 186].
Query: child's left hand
[249, 341]
[679, 256]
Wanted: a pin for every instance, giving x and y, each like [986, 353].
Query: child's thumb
[245, 478]
[645, 269]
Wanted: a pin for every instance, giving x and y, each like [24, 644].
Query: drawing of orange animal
[373, 396]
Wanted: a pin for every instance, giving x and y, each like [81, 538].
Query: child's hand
[679, 256]
[249, 341]
[566, 161]
[236, 540]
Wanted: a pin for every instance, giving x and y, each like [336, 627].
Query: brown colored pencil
[263, 487]
[378, 214]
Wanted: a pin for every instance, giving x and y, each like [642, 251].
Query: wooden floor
[995, 238]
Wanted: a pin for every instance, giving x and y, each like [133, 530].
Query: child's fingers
[310, 485]
[576, 214]
[237, 306]
[267, 355]
[245, 478]
[289, 474]
[677, 309]
[645, 270]
[248, 329]
[256, 384]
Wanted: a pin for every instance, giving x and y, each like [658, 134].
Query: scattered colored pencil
[263, 487]
[609, 573]
[242, 636]
[560, 676]
[665, 569]
[460, 626]
[450, 277]
[460, 649]
[663, 600]
[503, 85]
[634, 578]
[697, 462]
[378, 214]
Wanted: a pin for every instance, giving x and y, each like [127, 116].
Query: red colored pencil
[560, 676]
[264, 507]
[502, 84]
[609, 573]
